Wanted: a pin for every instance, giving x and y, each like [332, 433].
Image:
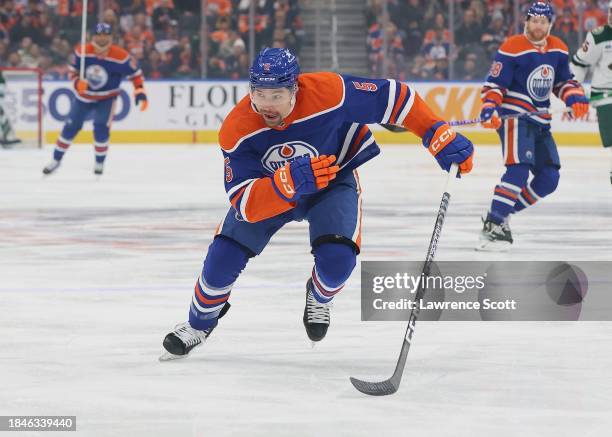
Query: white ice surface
[94, 273]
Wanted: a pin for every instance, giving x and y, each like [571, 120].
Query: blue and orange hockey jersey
[523, 76]
[105, 73]
[329, 118]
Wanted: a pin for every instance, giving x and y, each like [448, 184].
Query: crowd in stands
[421, 47]
[163, 35]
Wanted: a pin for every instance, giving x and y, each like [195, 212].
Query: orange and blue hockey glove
[303, 176]
[447, 146]
[579, 104]
[140, 98]
[488, 115]
[81, 86]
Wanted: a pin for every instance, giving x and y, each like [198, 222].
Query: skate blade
[167, 356]
[493, 246]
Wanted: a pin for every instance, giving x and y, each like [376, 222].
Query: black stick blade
[382, 388]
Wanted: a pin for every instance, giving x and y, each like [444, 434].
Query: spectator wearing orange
[434, 32]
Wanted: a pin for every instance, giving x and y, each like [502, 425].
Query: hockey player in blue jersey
[291, 149]
[106, 65]
[527, 68]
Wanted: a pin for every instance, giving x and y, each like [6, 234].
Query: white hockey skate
[99, 168]
[316, 315]
[494, 237]
[51, 167]
[183, 339]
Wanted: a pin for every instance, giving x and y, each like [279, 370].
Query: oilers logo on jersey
[540, 82]
[281, 154]
[97, 76]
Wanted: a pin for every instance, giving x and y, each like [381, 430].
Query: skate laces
[190, 336]
[317, 312]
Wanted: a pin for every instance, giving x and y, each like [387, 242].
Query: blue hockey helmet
[103, 29]
[541, 9]
[274, 68]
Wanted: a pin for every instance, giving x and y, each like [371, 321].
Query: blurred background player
[106, 65]
[595, 54]
[7, 135]
[290, 152]
[527, 68]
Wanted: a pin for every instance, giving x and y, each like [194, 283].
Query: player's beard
[100, 49]
[272, 118]
[537, 36]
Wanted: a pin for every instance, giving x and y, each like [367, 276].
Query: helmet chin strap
[540, 43]
[100, 49]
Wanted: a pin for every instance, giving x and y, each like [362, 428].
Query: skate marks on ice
[95, 274]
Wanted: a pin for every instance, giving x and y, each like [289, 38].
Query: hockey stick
[396, 128]
[391, 385]
[83, 37]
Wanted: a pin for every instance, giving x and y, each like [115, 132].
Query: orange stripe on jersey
[520, 103]
[240, 122]
[554, 42]
[420, 117]
[234, 200]
[362, 133]
[398, 103]
[318, 92]
[510, 142]
[263, 202]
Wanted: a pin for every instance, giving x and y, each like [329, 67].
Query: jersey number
[496, 69]
[365, 86]
[229, 174]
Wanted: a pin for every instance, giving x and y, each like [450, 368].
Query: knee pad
[101, 132]
[224, 262]
[71, 129]
[334, 262]
[546, 180]
[517, 175]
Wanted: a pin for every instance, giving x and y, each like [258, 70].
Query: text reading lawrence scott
[407, 304]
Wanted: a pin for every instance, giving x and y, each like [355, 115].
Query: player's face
[273, 104]
[537, 28]
[102, 42]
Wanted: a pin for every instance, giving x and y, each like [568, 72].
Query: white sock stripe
[532, 192]
[205, 310]
[503, 200]
[326, 287]
[61, 139]
[212, 291]
[510, 186]
[523, 201]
